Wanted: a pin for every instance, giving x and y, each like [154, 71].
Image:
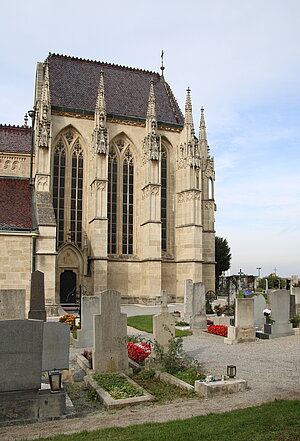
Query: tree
[222, 257]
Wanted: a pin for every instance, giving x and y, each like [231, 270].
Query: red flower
[218, 330]
[138, 351]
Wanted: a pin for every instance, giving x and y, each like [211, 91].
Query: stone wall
[15, 262]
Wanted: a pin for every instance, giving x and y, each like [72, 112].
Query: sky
[241, 60]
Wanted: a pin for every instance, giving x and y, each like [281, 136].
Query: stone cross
[37, 297]
[110, 332]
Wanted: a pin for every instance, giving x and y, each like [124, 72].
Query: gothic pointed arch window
[68, 188]
[120, 198]
[164, 196]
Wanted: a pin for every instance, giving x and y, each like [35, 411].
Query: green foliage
[190, 376]
[174, 359]
[272, 282]
[162, 391]
[144, 323]
[117, 386]
[295, 320]
[222, 257]
[276, 421]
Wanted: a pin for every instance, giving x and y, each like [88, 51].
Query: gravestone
[198, 318]
[296, 293]
[21, 343]
[259, 306]
[37, 297]
[280, 313]
[12, 304]
[110, 332]
[195, 304]
[188, 300]
[292, 305]
[163, 323]
[90, 305]
[244, 330]
[56, 340]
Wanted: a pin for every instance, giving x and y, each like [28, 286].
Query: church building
[109, 189]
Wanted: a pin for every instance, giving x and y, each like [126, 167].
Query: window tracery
[120, 200]
[68, 188]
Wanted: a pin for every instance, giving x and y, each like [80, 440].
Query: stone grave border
[109, 402]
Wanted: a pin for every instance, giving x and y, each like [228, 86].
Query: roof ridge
[13, 126]
[119, 66]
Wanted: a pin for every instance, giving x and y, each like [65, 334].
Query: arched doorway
[68, 284]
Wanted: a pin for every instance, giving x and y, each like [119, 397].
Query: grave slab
[56, 339]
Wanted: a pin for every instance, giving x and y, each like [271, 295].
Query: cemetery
[42, 357]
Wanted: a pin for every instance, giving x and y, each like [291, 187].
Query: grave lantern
[77, 322]
[55, 380]
[231, 371]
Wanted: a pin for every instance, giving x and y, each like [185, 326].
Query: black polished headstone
[37, 297]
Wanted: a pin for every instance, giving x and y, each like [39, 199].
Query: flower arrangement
[69, 319]
[138, 351]
[218, 330]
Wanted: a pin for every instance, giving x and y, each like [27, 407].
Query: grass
[83, 399]
[276, 421]
[117, 386]
[164, 392]
[144, 323]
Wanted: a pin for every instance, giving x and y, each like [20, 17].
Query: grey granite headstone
[56, 342]
[198, 318]
[292, 305]
[110, 349]
[188, 300]
[21, 343]
[12, 304]
[259, 306]
[163, 324]
[90, 305]
[280, 313]
[37, 297]
[296, 293]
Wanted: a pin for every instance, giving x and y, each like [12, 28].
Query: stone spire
[202, 131]
[100, 135]
[188, 153]
[152, 140]
[204, 149]
[44, 112]
[188, 118]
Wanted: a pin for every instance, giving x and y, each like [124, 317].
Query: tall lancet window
[163, 198]
[112, 201]
[120, 199]
[127, 206]
[68, 188]
[59, 189]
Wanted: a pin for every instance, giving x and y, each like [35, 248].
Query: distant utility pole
[258, 269]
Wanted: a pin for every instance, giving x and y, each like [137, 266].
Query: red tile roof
[74, 84]
[15, 204]
[15, 139]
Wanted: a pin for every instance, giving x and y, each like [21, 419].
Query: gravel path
[271, 367]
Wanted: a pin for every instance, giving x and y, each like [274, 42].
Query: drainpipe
[33, 258]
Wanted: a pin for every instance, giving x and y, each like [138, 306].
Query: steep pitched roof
[15, 204]
[74, 85]
[15, 139]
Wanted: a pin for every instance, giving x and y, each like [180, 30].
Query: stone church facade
[122, 191]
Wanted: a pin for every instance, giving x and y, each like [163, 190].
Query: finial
[162, 68]
[25, 121]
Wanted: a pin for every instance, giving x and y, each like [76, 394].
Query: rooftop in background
[15, 139]
[74, 86]
[15, 204]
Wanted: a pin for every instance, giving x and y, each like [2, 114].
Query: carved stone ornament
[189, 155]
[98, 185]
[188, 195]
[151, 147]
[101, 138]
[150, 190]
[44, 133]
[42, 183]
[209, 170]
